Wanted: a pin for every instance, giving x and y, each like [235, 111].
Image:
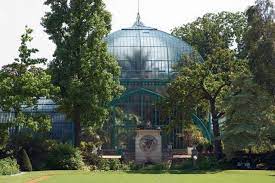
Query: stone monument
[148, 146]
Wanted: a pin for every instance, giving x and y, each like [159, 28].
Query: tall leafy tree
[260, 43]
[219, 39]
[222, 30]
[207, 83]
[22, 83]
[87, 75]
[250, 113]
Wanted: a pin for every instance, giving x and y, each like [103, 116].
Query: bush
[115, 164]
[39, 151]
[103, 164]
[8, 166]
[26, 162]
[112, 164]
[91, 159]
[65, 157]
[186, 164]
[146, 167]
[207, 162]
[38, 147]
[94, 162]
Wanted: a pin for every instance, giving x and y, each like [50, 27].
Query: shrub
[91, 159]
[155, 167]
[103, 164]
[26, 162]
[65, 157]
[94, 162]
[207, 162]
[115, 164]
[39, 152]
[186, 164]
[37, 146]
[8, 166]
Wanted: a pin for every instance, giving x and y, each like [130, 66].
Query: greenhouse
[147, 57]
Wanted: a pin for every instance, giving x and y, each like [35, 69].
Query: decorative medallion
[148, 143]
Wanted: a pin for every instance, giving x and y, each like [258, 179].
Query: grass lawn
[229, 176]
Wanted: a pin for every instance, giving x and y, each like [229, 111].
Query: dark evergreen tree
[250, 118]
[260, 43]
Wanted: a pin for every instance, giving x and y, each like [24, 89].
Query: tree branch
[219, 90]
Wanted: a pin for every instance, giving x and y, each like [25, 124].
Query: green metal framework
[147, 58]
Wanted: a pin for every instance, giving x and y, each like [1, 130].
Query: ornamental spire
[138, 22]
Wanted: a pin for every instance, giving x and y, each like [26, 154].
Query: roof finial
[138, 14]
[138, 6]
[138, 21]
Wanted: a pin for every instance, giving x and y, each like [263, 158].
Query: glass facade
[146, 53]
[147, 58]
[62, 128]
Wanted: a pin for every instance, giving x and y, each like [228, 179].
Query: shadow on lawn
[174, 171]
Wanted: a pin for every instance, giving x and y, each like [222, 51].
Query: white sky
[161, 14]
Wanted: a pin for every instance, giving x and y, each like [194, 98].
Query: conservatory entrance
[135, 117]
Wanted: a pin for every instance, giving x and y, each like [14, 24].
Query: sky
[161, 14]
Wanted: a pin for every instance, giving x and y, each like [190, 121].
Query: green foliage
[38, 147]
[26, 162]
[115, 164]
[94, 162]
[259, 43]
[4, 136]
[36, 122]
[207, 163]
[65, 157]
[103, 164]
[192, 135]
[208, 83]
[112, 164]
[186, 164]
[250, 113]
[91, 140]
[212, 31]
[22, 83]
[8, 166]
[91, 160]
[87, 75]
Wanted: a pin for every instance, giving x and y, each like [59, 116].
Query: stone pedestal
[148, 146]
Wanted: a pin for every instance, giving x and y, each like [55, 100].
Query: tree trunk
[77, 127]
[216, 131]
[217, 137]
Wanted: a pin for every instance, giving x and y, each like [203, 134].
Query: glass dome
[145, 52]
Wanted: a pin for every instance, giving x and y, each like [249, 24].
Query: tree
[87, 75]
[208, 82]
[22, 83]
[222, 30]
[260, 43]
[250, 118]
